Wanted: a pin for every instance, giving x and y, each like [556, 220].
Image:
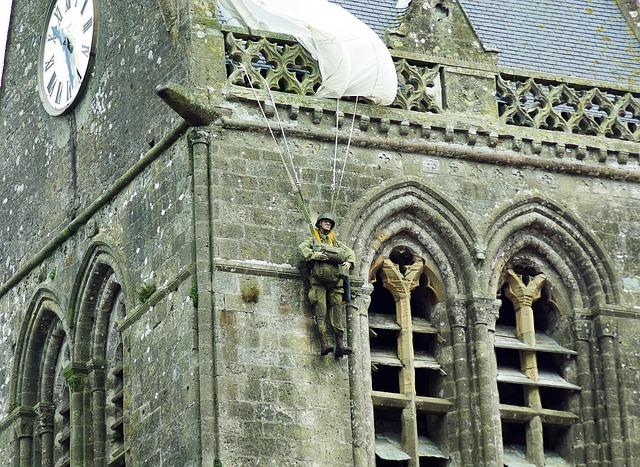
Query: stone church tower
[152, 312]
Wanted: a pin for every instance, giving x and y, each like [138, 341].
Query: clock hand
[68, 48]
[56, 33]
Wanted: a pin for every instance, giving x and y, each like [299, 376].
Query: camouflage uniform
[326, 286]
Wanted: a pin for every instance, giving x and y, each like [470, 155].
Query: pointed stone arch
[98, 302]
[39, 389]
[417, 214]
[44, 302]
[100, 268]
[550, 231]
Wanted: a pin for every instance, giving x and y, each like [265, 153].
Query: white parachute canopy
[353, 60]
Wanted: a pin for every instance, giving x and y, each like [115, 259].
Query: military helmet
[327, 216]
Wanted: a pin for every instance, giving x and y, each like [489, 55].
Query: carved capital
[199, 136]
[44, 417]
[521, 294]
[96, 370]
[605, 327]
[362, 299]
[457, 311]
[24, 422]
[485, 311]
[582, 329]
[75, 374]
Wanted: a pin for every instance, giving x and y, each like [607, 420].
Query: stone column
[76, 380]
[457, 311]
[582, 331]
[199, 142]
[98, 405]
[44, 429]
[24, 433]
[606, 334]
[360, 378]
[484, 314]
[522, 296]
[400, 287]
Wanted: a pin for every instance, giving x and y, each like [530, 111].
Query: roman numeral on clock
[85, 50]
[57, 14]
[67, 5]
[59, 93]
[48, 64]
[52, 83]
[87, 25]
[69, 90]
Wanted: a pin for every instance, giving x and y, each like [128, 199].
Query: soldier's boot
[341, 348]
[325, 347]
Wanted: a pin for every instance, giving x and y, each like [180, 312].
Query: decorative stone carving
[582, 329]
[561, 107]
[285, 66]
[521, 294]
[419, 87]
[457, 311]
[485, 311]
[24, 425]
[199, 136]
[44, 417]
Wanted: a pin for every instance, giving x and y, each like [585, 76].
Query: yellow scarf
[318, 236]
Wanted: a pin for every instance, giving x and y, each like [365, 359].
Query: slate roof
[377, 14]
[584, 38]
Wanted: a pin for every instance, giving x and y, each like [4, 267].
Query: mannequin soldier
[329, 262]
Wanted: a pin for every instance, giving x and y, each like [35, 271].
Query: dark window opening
[387, 420]
[424, 343]
[383, 339]
[387, 463]
[507, 313]
[422, 301]
[432, 427]
[429, 383]
[514, 434]
[551, 362]
[557, 442]
[554, 398]
[511, 394]
[385, 378]
[382, 301]
[545, 315]
[508, 358]
[403, 257]
[432, 462]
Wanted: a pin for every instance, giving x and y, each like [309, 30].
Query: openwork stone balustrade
[570, 108]
[279, 62]
[285, 66]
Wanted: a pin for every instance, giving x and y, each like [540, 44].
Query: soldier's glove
[319, 256]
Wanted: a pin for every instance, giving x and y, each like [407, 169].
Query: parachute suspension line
[335, 154]
[295, 183]
[334, 199]
[284, 136]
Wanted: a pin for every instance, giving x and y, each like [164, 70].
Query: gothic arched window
[533, 389]
[407, 377]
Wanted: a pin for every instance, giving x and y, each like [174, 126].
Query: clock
[66, 53]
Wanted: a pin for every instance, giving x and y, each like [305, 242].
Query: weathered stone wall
[149, 228]
[53, 167]
[257, 226]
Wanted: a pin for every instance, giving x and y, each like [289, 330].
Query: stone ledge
[154, 299]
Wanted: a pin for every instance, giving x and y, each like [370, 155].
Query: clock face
[66, 52]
